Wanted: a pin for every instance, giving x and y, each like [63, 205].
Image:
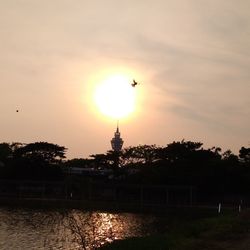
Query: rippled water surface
[69, 229]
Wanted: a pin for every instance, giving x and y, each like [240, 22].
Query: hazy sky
[192, 58]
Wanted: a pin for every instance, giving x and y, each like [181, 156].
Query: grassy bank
[196, 230]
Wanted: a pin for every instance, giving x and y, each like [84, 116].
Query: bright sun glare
[115, 97]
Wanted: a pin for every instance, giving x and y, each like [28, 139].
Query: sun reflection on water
[68, 229]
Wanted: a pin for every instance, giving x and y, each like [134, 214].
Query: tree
[35, 161]
[144, 154]
[41, 153]
[110, 159]
[244, 155]
[113, 158]
[79, 163]
[179, 151]
[230, 157]
[100, 160]
[5, 152]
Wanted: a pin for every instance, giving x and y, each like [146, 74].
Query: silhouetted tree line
[34, 161]
[211, 171]
[178, 163]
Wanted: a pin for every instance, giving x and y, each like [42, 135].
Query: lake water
[22, 229]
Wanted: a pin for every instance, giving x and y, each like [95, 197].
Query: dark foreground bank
[227, 231]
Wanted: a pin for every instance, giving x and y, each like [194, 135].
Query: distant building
[117, 142]
[90, 172]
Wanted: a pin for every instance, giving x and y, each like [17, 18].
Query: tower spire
[117, 141]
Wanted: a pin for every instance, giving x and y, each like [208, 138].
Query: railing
[99, 191]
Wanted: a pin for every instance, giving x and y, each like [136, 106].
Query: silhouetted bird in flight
[134, 83]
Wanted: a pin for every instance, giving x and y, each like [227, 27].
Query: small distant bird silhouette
[134, 83]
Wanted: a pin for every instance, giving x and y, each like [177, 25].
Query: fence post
[219, 208]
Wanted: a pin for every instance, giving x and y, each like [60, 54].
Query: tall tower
[117, 141]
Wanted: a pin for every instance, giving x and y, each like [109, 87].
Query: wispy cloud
[195, 54]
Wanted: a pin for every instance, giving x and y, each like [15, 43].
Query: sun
[115, 97]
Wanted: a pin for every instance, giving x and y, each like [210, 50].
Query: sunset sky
[192, 59]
